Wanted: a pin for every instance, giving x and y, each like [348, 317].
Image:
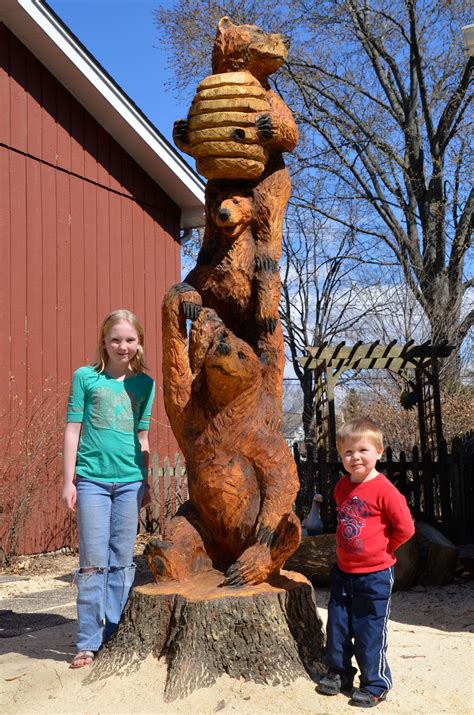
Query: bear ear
[219, 49]
[224, 24]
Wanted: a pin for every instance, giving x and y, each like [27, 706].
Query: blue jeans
[107, 520]
[358, 611]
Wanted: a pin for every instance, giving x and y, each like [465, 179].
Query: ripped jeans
[107, 520]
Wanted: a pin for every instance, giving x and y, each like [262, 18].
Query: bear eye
[241, 355]
[235, 201]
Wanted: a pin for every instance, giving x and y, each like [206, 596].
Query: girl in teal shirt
[105, 475]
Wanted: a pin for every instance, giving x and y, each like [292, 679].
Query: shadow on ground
[18, 624]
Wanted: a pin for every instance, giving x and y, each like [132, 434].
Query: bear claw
[265, 126]
[265, 536]
[233, 576]
[181, 130]
[265, 264]
[268, 325]
[191, 310]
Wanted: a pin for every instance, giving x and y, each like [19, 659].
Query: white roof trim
[37, 26]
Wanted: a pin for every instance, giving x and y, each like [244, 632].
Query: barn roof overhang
[51, 41]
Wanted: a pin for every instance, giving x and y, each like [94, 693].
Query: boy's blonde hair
[137, 363]
[357, 428]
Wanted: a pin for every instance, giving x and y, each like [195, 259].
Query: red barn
[93, 199]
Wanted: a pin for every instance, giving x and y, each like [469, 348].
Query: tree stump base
[270, 633]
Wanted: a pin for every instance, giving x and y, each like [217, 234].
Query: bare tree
[190, 250]
[292, 410]
[383, 91]
[326, 281]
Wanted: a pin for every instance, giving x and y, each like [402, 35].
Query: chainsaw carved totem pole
[223, 392]
[222, 553]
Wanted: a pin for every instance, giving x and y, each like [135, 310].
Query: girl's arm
[71, 442]
[143, 439]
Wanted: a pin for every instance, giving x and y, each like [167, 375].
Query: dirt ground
[431, 654]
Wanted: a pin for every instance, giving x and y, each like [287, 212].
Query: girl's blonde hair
[137, 363]
[357, 428]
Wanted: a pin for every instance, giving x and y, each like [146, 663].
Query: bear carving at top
[236, 122]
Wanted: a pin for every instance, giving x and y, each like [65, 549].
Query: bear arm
[284, 129]
[268, 298]
[177, 376]
[272, 359]
[277, 478]
[270, 199]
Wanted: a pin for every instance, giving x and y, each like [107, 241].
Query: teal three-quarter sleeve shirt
[112, 412]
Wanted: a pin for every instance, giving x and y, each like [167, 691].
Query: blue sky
[122, 36]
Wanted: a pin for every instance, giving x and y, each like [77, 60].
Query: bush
[30, 473]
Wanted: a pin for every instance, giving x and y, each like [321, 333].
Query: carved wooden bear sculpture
[241, 475]
[236, 122]
[245, 49]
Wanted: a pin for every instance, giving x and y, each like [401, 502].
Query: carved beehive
[222, 126]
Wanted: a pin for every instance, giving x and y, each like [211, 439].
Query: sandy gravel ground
[431, 653]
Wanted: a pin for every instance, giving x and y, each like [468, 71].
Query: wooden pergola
[416, 364]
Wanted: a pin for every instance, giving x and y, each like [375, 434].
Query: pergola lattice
[416, 364]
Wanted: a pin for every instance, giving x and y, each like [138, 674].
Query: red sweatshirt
[373, 520]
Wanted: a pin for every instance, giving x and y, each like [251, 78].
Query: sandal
[86, 655]
[363, 699]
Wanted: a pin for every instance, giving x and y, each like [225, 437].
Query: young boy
[373, 520]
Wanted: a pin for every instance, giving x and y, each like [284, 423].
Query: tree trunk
[270, 633]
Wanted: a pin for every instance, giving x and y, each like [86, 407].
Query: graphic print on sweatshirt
[351, 520]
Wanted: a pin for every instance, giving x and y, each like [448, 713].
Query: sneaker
[361, 698]
[334, 683]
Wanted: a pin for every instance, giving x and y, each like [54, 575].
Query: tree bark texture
[270, 633]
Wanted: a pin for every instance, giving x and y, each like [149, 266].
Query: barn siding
[83, 231]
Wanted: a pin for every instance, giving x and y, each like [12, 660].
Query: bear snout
[223, 214]
[223, 349]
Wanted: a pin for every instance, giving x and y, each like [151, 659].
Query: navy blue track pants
[358, 611]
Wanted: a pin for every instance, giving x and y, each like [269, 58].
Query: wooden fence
[440, 492]
[169, 486]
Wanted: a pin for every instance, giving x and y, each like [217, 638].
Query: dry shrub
[400, 426]
[30, 473]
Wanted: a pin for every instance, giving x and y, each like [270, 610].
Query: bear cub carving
[241, 476]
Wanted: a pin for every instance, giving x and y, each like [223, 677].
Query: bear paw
[265, 126]
[180, 131]
[253, 567]
[190, 300]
